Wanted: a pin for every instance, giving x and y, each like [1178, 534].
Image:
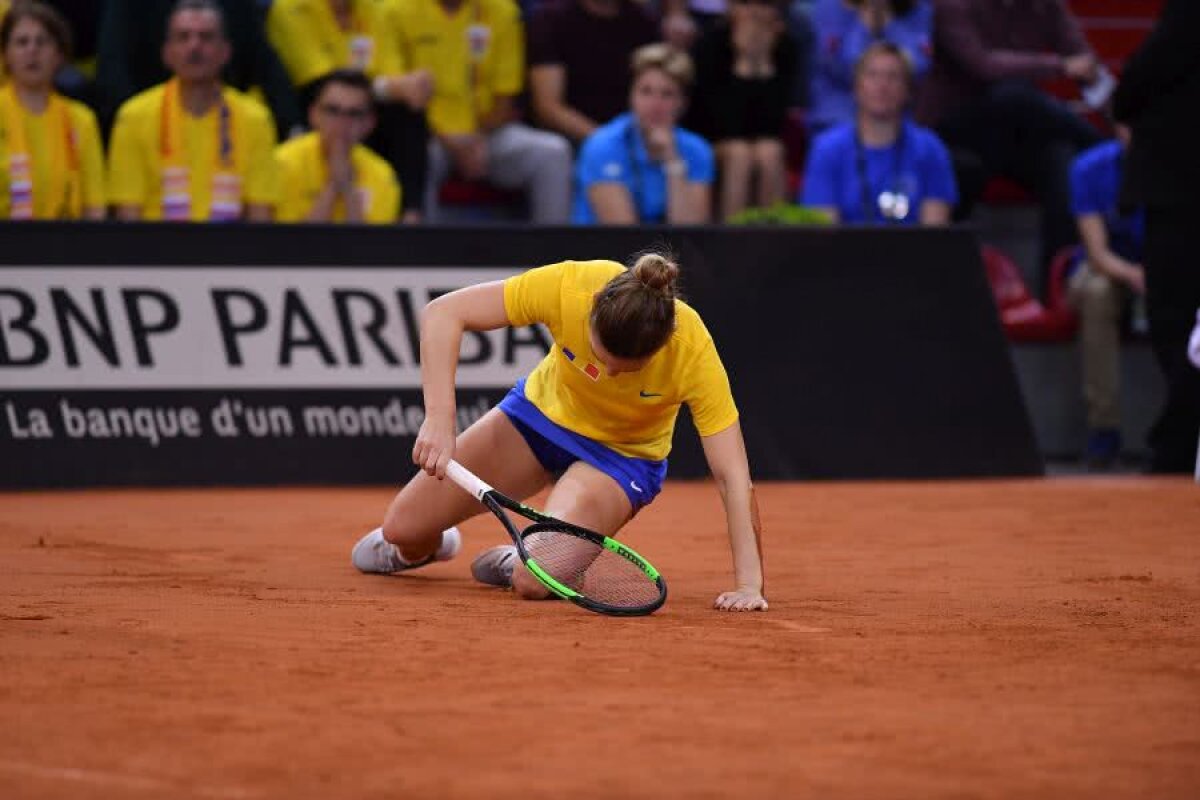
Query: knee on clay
[528, 587]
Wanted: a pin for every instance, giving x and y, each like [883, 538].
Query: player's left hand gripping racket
[591, 570]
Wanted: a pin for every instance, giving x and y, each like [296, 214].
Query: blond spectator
[328, 175]
[642, 167]
[475, 52]
[49, 145]
[193, 149]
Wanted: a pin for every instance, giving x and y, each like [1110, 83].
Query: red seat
[458, 192]
[1023, 316]
[1001, 191]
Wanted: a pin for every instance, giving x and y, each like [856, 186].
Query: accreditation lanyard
[226, 201]
[479, 38]
[867, 196]
[637, 176]
[362, 44]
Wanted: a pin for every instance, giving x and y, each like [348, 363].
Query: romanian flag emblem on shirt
[591, 370]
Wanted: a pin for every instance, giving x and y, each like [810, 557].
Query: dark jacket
[979, 42]
[129, 58]
[1159, 98]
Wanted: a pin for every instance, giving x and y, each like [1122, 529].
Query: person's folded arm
[958, 39]
[612, 204]
[548, 88]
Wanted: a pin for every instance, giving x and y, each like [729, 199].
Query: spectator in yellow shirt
[316, 37]
[475, 51]
[327, 175]
[192, 148]
[53, 165]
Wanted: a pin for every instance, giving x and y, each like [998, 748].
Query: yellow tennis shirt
[309, 41]
[77, 146]
[474, 53]
[303, 175]
[634, 412]
[137, 153]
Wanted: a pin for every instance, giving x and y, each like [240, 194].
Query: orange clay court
[986, 639]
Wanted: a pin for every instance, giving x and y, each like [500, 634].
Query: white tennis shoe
[375, 554]
[494, 566]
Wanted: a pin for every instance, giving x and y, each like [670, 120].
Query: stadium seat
[1023, 316]
[459, 192]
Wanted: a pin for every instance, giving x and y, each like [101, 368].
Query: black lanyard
[635, 172]
[868, 198]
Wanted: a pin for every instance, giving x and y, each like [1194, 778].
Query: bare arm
[935, 212]
[129, 213]
[474, 308]
[94, 213]
[548, 88]
[1094, 236]
[612, 203]
[726, 456]
[688, 202]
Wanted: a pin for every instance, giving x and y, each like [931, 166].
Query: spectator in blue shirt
[843, 29]
[642, 167]
[1109, 275]
[881, 168]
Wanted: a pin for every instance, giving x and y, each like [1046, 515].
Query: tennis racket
[593, 571]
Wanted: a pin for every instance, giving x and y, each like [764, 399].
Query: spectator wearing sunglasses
[843, 30]
[643, 167]
[329, 175]
[881, 168]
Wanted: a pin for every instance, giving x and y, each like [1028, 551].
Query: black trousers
[1018, 131]
[1172, 298]
[401, 137]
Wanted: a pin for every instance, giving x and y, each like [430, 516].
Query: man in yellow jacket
[475, 51]
[316, 37]
[328, 175]
[193, 149]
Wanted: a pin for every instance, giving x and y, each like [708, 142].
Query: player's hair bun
[657, 272]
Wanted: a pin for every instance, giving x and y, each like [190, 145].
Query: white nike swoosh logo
[636, 488]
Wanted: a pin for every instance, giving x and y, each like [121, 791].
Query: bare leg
[584, 496]
[491, 448]
[736, 164]
[770, 168]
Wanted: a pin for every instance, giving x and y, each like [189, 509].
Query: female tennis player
[594, 418]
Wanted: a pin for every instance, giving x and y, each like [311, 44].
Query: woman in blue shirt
[843, 30]
[642, 167]
[881, 168]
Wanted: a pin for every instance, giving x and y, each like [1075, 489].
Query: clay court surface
[977, 639]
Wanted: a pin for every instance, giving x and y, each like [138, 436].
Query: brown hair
[634, 314]
[674, 62]
[206, 6]
[47, 17]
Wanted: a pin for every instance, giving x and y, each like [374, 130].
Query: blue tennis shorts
[557, 448]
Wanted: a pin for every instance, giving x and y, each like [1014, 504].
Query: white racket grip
[466, 479]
